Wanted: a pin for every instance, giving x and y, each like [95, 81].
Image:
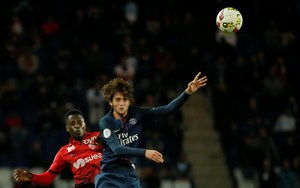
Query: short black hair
[72, 112]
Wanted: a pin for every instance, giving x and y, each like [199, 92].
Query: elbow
[118, 150]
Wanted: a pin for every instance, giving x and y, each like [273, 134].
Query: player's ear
[67, 127]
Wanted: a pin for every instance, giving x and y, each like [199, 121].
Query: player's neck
[119, 116]
[79, 138]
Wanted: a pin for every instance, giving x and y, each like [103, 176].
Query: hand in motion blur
[21, 175]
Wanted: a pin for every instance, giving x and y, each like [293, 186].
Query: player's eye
[80, 122]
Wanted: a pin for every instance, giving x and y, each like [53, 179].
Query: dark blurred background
[55, 54]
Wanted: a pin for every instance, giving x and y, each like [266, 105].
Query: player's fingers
[20, 172]
[17, 173]
[197, 76]
[157, 157]
[161, 160]
[201, 82]
[17, 177]
[159, 154]
[202, 79]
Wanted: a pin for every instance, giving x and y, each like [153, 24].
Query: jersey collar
[73, 141]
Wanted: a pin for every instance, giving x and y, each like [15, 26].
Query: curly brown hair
[117, 85]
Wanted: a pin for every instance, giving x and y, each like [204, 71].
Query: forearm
[173, 106]
[124, 150]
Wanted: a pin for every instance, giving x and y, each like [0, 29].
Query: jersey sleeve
[43, 179]
[48, 177]
[58, 163]
[110, 137]
[165, 110]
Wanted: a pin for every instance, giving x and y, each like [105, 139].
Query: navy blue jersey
[121, 137]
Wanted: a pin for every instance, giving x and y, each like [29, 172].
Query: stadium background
[55, 53]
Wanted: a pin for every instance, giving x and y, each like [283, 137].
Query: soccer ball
[229, 20]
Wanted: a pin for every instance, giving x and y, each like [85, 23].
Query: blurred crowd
[56, 54]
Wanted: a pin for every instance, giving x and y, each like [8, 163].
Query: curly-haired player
[121, 127]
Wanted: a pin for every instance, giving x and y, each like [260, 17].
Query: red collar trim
[73, 141]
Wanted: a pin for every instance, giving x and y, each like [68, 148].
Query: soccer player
[82, 155]
[120, 129]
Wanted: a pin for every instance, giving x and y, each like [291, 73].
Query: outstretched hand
[21, 175]
[195, 84]
[154, 156]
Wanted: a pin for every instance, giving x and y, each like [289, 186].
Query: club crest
[132, 121]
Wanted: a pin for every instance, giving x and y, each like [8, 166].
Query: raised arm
[176, 103]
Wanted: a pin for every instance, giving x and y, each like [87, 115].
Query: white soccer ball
[229, 20]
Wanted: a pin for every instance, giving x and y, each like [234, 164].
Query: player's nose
[77, 125]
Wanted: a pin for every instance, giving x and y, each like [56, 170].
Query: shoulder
[134, 110]
[106, 122]
[65, 149]
[138, 111]
[105, 119]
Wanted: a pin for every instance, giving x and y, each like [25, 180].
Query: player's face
[120, 104]
[76, 126]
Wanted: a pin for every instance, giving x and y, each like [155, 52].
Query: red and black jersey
[82, 157]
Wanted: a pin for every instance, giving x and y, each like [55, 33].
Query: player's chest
[129, 131]
[83, 153]
[128, 127]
